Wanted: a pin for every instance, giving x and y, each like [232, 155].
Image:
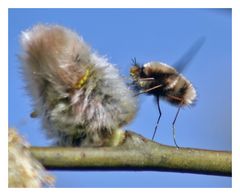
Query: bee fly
[166, 82]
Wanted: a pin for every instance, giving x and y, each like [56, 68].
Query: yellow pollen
[82, 80]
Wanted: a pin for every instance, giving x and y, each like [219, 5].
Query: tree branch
[136, 153]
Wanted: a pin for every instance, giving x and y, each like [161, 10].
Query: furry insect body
[166, 82]
[73, 88]
[163, 81]
[171, 85]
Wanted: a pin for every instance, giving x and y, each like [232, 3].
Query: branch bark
[136, 153]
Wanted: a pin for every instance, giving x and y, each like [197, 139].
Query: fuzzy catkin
[23, 169]
[79, 95]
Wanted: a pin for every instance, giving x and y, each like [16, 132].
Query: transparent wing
[181, 64]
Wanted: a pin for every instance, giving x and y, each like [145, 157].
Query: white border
[235, 4]
[121, 4]
[235, 96]
[4, 94]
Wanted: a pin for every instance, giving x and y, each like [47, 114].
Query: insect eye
[132, 72]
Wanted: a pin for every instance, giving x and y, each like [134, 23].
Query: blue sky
[149, 35]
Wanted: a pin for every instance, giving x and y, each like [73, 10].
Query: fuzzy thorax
[80, 96]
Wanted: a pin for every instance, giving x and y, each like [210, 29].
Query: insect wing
[181, 64]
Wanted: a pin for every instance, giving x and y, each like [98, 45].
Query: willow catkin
[79, 95]
[23, 169]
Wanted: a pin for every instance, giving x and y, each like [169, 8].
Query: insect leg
[173, 126]
[160, 114]
[175, 118]
[147, 90]
[146, 79]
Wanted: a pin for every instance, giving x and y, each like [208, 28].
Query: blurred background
[149, 35]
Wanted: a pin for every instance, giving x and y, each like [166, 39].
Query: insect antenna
[134, 61]
[173, 127]
[160, 114]
[181, 64]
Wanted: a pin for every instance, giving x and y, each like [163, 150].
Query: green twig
[136, 153]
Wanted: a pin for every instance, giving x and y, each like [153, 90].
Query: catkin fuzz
[24, 171]
[79, 95]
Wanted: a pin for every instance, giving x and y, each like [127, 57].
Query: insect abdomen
[181, 92]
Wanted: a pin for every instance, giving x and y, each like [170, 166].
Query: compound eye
[132, 72]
